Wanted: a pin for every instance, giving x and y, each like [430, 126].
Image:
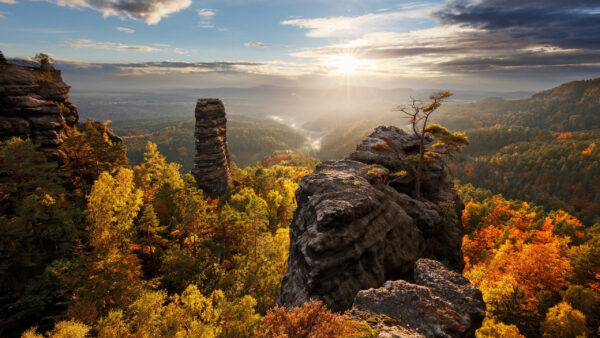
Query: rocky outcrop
[440, 303]
[357, 225]
[211, 163]
[34, 103]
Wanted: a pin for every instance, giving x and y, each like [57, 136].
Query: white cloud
[10, 2]
[344, 26]
[205, 16]
[125, 29]
[109, 45]
[151, 11]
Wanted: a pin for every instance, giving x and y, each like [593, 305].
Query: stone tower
[211, 163]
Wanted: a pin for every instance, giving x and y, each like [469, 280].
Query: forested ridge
[113, 250]
[542, 149]
[97, 246]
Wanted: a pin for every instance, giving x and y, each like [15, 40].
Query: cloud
[10, 2]
[344, 26]
[566, 24]
[521, 37]
[125, 29]
[109, 45]
[205, 16]
[2, 15]
[150, 11]
[257, 44]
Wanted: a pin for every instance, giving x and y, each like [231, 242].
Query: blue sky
[499, 44]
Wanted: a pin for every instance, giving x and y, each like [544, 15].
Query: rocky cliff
[440, 303]
[34, 103]
[357, 224]
[211, 163]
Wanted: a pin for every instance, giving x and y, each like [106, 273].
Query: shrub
[312, 319]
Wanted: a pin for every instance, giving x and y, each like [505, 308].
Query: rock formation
[441, 303]
[34, 103]
[211, 163]
[357, 226]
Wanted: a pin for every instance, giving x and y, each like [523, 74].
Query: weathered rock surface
[211, 163]
[353, 231]
[441, 303]
[34, 103]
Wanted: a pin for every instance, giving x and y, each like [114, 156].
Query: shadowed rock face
[441, 303]
[357, 225]
[211, 163]
[34, 104]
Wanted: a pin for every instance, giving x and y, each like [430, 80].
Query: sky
[502, 45]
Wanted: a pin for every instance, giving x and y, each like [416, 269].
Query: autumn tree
[109, 274]
[419, 116]
[90, 152]
[564, 321]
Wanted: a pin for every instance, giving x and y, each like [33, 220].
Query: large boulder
[440, 303]
[353, 230]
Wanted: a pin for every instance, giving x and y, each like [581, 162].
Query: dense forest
[113, 250]
[118, 240]
[250, 138]
[96, 246]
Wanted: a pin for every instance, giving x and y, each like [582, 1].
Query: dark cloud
[525, 60]
[561, 23]
[151, 11]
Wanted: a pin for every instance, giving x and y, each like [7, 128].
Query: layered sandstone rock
[440, 303]
[211, 163]
[34, 103]
[357, 226]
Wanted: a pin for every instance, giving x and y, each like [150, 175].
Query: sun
[347, 64]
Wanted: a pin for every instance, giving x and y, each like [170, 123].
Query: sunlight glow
[347, 64]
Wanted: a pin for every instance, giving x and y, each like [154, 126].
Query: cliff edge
[358, 226]
[34, 103]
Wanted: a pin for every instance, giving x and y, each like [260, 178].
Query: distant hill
[573, 106]
[544, 149]
[250, 138]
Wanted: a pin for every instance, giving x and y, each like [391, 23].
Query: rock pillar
[211, 162]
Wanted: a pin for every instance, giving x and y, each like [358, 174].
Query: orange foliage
[512, 241]
[312, 319]
[380, 146]
[565, 136]
[587, 151]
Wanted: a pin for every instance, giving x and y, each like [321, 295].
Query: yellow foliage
[494, 329]
[564, 321]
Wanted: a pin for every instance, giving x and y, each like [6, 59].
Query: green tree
[37, 226]
[25, 171]
[419, 116]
